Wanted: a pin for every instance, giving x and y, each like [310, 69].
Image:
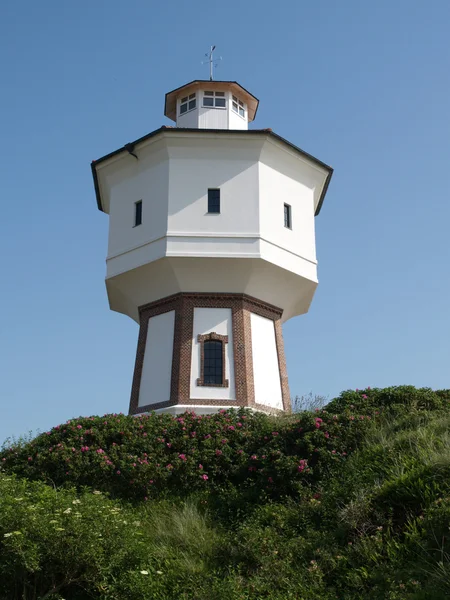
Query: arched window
[212, 360]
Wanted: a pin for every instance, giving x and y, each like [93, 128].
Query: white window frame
[214, 96]
[238, 106]
[187, 101]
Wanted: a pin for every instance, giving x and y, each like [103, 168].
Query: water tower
[211, 248]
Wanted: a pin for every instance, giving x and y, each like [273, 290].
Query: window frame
[238, 105]
[137, 212]
[214, 95]
[187, 101]
[212, 337]
[210, 200]
[288, 214]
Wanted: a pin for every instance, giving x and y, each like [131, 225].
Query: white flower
[76, 501]
[144, 572]
[67, 511]
[96, 492]
[7, 534]
[159, 572]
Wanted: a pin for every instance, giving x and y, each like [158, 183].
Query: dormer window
[238, 106]
[214, 99]
[188, 103]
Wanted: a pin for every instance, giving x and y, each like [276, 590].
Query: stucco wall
[190, 178]
[276, 189]
[157, 367]
[147, 182]
[217, 320]
[266, 371]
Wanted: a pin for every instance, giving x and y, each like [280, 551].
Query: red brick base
[241, 308]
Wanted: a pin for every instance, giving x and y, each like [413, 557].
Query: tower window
[214, 201]
[214, 99]
[212, 360]
[287, 216]
[238, 106]
[138, 213]
[188, 103]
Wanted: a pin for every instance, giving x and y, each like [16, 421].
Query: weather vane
[212, 62]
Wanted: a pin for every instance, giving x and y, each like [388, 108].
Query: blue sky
[363, 86]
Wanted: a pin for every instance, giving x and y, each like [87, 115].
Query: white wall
[266, 371]
[157, 368]
[217, 320]
[276, 189]
[190, 179]
[148, 182]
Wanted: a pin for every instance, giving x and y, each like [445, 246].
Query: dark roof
[254, 132]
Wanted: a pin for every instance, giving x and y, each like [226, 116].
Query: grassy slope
[348, 502]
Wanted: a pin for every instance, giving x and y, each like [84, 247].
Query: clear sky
[363, 86]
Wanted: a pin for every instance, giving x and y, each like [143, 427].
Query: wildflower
[144, 572]
[270, 480]
[67, 511]
[224, 441]
[78, 426]
[159, 572]
[275, 433]
[118, 472]
[218, 452]
[207, 436]
[205, 477]
[169, 445]
[96, 492]
[254, 457]
[7, 534]
[327, 435]
[200, 467]
[238, 424]
[364, 396]
[182, 456]
[76, 501]
[333, 452]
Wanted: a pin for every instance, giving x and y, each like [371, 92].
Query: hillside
[347, 502]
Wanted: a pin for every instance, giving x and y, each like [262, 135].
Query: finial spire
[209, 56]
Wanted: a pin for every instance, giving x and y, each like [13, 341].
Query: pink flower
[239, 452]
[29, 458]
[200, 467]
[182, 456]
[78, 426]
[118, 472]
[207, 436]
[270, 480]
[230, 427]
[224, 441]
[275, 433]
[254, 457]
[252, 468]
[333, 452]
[169, 466]
[302, 465]
[193, 433]
[218, 452]
[169, 445]
[238, 424]
[364, 396]
[326, 434]
[204, 477]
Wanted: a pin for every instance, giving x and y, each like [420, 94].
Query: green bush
[347, 501]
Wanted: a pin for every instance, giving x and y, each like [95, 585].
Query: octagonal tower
[211, 248]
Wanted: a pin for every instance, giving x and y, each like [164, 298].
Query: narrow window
[138, 213]
[212, 360]
[214, 201]
[287, 216]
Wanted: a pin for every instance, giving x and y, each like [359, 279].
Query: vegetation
[343, 502]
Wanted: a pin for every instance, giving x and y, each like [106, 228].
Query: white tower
[211, 248]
